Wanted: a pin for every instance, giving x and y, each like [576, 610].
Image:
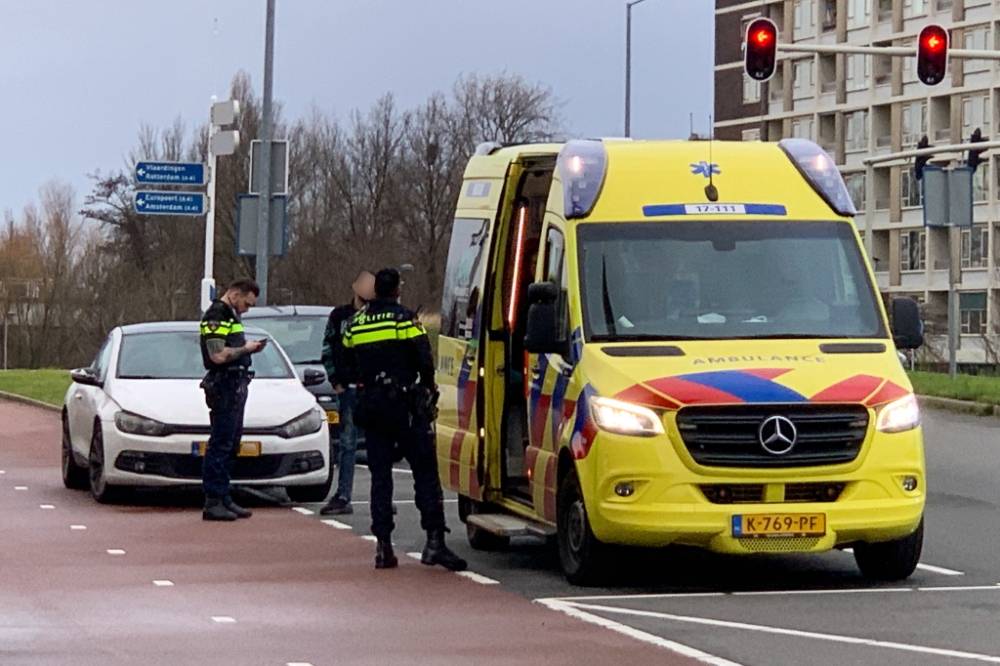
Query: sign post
[220, 143]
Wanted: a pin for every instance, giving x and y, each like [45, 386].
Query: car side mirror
[907, 328]
[313, 377]
[85, 376]
[542, 331]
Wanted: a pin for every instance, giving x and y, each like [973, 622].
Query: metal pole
[264, 209]
[954, 276]
[628, 65]
[5, 341]
[870, 212]
[213, 175]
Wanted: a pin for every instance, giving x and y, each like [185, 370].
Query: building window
[977, 38]
[829, 15]
[856, 187]
[858, 71]
[972, 305]
[912, 8]
[884, 10]
[909, 191]
[975, 247]
[858, 13]
[751, 90]
[751, 134]
[803, 18]
[976, 113]
[913, 251]
[909, 68]
[914, 122]
[857, 130]
[803, 77]
[802, 128]
[981, 183]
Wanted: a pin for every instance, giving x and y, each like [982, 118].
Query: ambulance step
[510, 526]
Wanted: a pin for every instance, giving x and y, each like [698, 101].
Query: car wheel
[583, 558]
[893, 560]
[74, 477]
[102, 491]
[479, 538]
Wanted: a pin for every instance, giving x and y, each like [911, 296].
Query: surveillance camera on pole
[761, 49]
[920, 161]
[975, 154]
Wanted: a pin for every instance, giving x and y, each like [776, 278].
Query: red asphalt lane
[298, 590]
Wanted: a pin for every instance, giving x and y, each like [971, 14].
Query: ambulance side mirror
[907, 329]
[543, 335]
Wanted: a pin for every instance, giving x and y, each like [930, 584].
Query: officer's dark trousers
[226, 395]
[416, 444]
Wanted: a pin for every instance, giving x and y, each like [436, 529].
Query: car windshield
[725, 280]
[301, 336]
[177, 355]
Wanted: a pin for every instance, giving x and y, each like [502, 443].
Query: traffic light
[920, 161]
[761, 49]
[932, 55]
[976, 154]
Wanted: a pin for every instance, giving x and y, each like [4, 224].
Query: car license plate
[779, 525]
[247, 449]
[333, 416]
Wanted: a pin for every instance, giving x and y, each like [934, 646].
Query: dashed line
[336, 524]
[20, 487]
[482, 580]
[223, 619]
[163, 583]
[940, 570]
[115, 551]
[46, 506]
[298, 663]
[366, 502]
[78, 527]
[369, 537]
[303, 511]
[402, 471]
[3, 471]
[415, 556]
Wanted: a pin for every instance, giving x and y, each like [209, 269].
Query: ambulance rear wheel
[893, 560]
[479, 538]
[582, 556]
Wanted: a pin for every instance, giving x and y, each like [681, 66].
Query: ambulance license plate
[247, 449]
[333, 416]
[763, 525]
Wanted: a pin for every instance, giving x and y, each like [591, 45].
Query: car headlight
[899, 416]
[134, 424]
[625, 418]
[306, 424]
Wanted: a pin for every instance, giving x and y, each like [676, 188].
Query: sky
[77, 79]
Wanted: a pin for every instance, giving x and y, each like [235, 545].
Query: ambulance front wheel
[582, 556]
[893, 560]
[479, 538]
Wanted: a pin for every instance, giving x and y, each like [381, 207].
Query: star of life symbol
[705, 169]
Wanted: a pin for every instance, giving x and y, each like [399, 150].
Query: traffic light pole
[901, 51]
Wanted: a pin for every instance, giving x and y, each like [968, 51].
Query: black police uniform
[226, 394]
[390, 354]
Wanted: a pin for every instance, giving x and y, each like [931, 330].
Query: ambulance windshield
[725, 280]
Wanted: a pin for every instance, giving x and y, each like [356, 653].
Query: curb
[959, 406]
[13, 397]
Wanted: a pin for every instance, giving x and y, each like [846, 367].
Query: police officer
[226, 355]
[391, 355]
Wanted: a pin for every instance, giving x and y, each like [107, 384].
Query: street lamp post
[628, 65]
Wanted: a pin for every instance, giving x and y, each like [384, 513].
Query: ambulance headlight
[582, 166]
[899, 416]
[819, 169]
[625, 418]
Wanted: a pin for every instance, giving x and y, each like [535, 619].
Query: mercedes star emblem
[777, 435]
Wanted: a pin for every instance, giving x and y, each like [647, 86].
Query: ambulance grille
[727, 435]
[734, 493]
[813, 492]
[779, 544]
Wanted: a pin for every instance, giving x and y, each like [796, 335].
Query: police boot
[236, 508]
[436, 552]
[216, 510]
[384, 557]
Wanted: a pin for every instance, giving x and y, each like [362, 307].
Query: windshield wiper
[646, 337]
[788, 336]
[609, 317]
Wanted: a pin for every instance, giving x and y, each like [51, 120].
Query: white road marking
[303, 511]
[20, 487]
[336, 524]
[833, 638]
[415, 556]
[163, 583]
[482, 580]
[574, 611]
[781, 593]
[115, 551]
[223, 619]
[78, 527]
[940, 570]
[365, 502]
[46, 506]
[298, 663]
[960, 588]
[3, 471]
[369, 537]
[401, 471]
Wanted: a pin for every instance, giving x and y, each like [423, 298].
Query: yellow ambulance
[654, 343]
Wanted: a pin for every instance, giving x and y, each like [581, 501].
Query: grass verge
[46, 385]
[977, 388]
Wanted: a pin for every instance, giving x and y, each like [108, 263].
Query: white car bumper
[136, 460]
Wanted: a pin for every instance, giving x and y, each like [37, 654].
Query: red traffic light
[932, 55]
[761, 49]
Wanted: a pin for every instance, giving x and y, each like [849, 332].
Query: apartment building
[860, 105]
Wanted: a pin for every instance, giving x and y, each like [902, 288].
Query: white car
[137, 417]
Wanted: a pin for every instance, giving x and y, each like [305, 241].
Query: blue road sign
[170, 173]
[170, 203]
